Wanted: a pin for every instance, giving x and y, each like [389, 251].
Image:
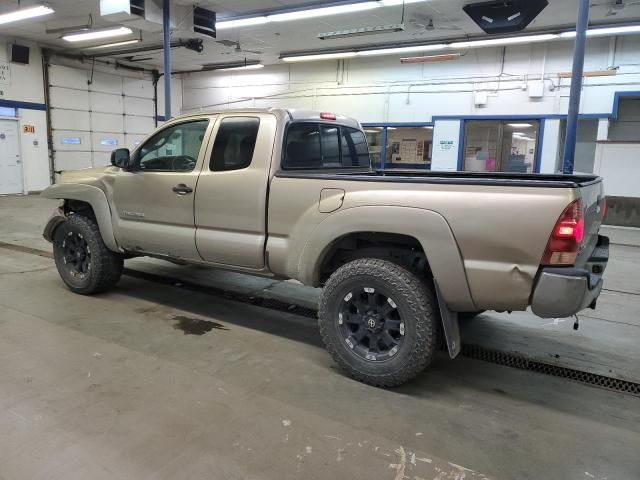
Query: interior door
[10, 161]
[231, 200]
[154, 201]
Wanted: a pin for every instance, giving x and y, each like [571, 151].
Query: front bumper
[563, 292]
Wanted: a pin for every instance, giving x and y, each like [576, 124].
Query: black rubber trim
[450, 178]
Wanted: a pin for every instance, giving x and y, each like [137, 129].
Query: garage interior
[187, 372]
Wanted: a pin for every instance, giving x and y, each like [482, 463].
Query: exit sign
[29, 129]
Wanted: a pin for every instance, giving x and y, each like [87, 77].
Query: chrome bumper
[563, 292]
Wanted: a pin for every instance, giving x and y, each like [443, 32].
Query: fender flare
[428, 227]
[91, 195]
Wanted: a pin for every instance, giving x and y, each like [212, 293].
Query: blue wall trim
[383, 149]
[398, 124]
[161, 118]
[25, 105]
[539, 145]
[461, 146]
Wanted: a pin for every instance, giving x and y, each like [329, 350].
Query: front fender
[426, 226]
[91, 195]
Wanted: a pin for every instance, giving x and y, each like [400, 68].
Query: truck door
[231, 199]
[153, 203]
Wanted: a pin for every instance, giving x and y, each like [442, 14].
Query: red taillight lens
[566, 237]
[328, 116]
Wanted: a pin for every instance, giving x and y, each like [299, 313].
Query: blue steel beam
[576, 87]
[166, 40]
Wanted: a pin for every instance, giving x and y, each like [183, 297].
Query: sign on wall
[5, 73]
[29, 128]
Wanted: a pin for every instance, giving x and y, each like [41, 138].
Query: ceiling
[271, 39]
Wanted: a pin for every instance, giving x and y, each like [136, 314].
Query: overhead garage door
[89, 120]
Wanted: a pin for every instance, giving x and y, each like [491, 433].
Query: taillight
[566, 237]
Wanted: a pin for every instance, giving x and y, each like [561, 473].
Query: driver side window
[174, 149]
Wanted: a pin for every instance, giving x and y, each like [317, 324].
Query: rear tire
[83, 261]
[379, 321]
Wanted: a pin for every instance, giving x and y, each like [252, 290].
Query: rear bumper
[563, 292]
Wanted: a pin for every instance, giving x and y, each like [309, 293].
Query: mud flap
[450, 325]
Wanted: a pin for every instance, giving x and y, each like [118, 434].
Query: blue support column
[576, 87]
[383, 150]
[166, 37]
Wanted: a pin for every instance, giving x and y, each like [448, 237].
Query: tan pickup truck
[292, 194]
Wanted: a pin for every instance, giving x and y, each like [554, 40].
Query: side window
[174, 149]
[355, 152]
[235, 143]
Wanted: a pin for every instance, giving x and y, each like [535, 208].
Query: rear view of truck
[574, 260]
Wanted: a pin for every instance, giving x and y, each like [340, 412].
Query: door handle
[182, 189]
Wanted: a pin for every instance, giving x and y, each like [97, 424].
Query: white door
[10, 161]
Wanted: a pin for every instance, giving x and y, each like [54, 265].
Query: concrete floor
[113, 386]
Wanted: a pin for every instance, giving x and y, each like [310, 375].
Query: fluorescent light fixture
[392, 50]
[25, 13]
[319, 56]
[393, 3]
[391, 128]
[368, 130]
[429, 127]
[432, 58]
[598, 32]
[112, 45]
[520, 125]
[357, 32]
[255, 66]
[241, 22]
[322, 11]
[497, 42]
[97, 34]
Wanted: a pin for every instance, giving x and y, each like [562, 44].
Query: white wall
[380, 89]
[26, 85]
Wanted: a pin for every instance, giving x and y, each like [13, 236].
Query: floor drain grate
[470, 351]
[523, 363]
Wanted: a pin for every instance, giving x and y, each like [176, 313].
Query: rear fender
[84, 193]
[426, 226]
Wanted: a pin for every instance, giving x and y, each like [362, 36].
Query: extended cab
[292, 194]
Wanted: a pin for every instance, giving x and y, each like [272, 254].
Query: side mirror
[121, 157]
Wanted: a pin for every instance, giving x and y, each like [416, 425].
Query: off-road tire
[105, 266]
[417, 305]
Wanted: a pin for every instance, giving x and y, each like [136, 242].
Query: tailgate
[592, 198]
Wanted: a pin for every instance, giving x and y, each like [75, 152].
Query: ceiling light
[322, 11]
[356, 32]
[520, 125]
[116, 44]
[392, 50]
[319, 56]
[97, 34]
[241, 22]
[597, 32]
[429, 127]
[431, 58]
[25, 13]
[392, 3]
[255, 66]
[496, 42]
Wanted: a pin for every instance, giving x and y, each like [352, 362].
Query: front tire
[83, 261]
[379, 321]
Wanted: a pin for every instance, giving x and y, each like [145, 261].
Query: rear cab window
[310, 145]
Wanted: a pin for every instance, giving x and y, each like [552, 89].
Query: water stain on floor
[195, 326]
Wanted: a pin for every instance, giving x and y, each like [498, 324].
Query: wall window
[409, 147]
[175, 148]
[374, 139]
[312, 146]
[7, 112]
[235, 143]
[626, 128]
[501, 146]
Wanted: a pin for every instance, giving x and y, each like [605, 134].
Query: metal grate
[470, 351]
[523, 363]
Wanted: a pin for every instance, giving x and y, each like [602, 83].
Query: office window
[500, 145]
